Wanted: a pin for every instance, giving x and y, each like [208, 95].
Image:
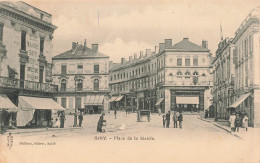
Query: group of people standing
[237, 121]
[59, 121]
[177, 117]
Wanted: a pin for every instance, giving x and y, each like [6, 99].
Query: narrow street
[198, 141]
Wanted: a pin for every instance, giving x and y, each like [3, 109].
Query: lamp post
[75, 114]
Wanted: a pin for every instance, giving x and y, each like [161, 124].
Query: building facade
[26, 35]
[172, 78]
[223, 77]
[247, 70]
[82, 76]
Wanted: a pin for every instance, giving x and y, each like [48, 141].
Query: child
[163, 121]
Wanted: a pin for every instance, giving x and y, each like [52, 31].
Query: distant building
[82, 76]
[25, 64]
[224, 78]
[173, 77]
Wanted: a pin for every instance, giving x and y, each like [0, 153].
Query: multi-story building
[26, 35]
[82, 76]
[247, 71]
[177, 77]
[223, 74]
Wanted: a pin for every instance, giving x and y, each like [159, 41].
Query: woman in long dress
[100, 123]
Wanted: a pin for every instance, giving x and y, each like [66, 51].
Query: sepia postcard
[162, 81]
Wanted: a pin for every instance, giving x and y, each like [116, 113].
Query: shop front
[36, 111]
[94, 104]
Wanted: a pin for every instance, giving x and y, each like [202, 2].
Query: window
[195, 73]
[1, 32]
[41, 46]
[42, 15]
[171, 77]
[80, 85]
[187, 74]
[96, 85]
[63, 85]
[195, 61]
[41, 69]
[80, 68]
[63, 102]
[96, 69]
[179, 62]
[111, 78]
[64, 69]
[23, 40]
[114, 77]
[187, 62]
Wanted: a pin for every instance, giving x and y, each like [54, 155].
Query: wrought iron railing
[27, 85]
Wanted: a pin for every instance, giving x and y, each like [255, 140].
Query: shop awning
[240, 100]
[187, 100]
[6, 104]
[38, 103]
[94, 100]
[159, 101]
[119, 98]
[113, 98]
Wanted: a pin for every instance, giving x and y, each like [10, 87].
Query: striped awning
[6, 104]
[94, 100]
[240, 100]
[159, 101]
[113, 98]
[119, 98]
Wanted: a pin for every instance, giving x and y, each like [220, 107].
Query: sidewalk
[242, 134]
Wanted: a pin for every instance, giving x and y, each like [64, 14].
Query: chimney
[122, 61]
[73, 46]
[95, 47]
[148, 52]
[130, 58]
[135, 56]
[156, 49]
[161, 47]
[205, 44]
[141, 54]
[168, 43]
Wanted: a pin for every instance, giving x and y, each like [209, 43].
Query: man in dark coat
[168, 117]
[62, 119]
[180, 119]
[115, 112]
[237, 122]
[80, 119]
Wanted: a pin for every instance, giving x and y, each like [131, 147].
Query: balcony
[27, 85]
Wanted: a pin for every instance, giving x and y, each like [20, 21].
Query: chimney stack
[148, 52]
[130, 58]
[73, 46]
[168, 43]
[161, 47]
[135, 56]
[141, 54]
[122, 61]
[156, 49]
[95, 47]
[205, 44]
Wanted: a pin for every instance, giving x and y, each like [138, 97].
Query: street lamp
[75, 114]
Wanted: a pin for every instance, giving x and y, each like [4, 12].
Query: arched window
[171, 77]
[187, 74]
[79, 85]
[96, 85]
[195, 77]
[195, 73]
[63, 85]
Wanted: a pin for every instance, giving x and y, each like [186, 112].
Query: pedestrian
[232, 122]
[80, 119]
[168, 117]
[101, 123]
[163, 121]
[180, 119]
[159, 111]
[62, 119]
[245, 121]
[237, 122]
[175, 120]
[115, 112]
[56, 123]
[206, 114]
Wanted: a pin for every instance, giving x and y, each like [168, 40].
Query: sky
[122, 28]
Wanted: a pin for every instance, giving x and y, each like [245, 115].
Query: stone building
[173, 77]
[82, 76]
[247, 71]
[26, 35]
[223, 74]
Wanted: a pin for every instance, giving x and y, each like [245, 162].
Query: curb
[22, 131]
[221, 127]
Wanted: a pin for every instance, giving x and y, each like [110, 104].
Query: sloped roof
[80, 53]
[186, 45]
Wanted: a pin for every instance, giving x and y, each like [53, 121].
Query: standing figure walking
[101, 122]
[232, 122]
[168, 117]
[180, 119]
[237, 122]
[115, 112]
[245, 122]
[175, 120]
[163, 117]
[62, 119]
[80, 119]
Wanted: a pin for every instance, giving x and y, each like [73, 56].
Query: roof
[80, 53]
[186, 45]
